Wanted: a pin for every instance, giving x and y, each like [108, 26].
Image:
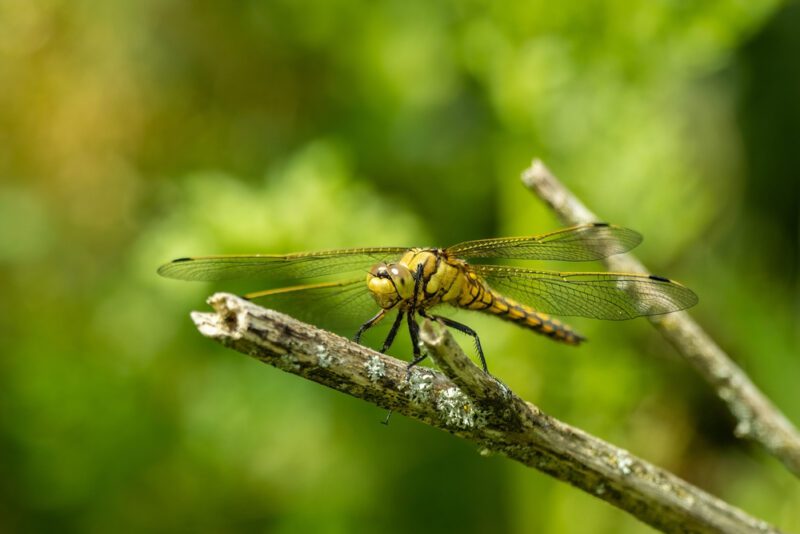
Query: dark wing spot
[181, 259]
[600, 224]
[659, 278]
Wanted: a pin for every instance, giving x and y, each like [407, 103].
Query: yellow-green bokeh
[132, 132]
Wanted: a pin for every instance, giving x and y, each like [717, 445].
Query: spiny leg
[413, 327]
[369, 324]
[461, 328]
[417, 286]
[393, 332]
[388, 343]
[413, 330]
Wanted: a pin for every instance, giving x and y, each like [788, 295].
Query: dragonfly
[414, 282]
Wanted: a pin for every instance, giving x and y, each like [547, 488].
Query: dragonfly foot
[464, 329]
[385, 422]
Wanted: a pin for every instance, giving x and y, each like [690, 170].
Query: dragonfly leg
[461, 328]
[369, 324]
[417, 287]
[393, 332]
[388, 343]
[386, 419]
[413, 327]
[413, 330]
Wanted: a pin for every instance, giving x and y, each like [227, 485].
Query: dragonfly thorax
[442, 279]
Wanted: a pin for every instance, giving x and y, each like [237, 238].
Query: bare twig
[757, 418]
[466, 402]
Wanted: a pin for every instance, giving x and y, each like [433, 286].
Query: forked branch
[466, 402]
[757, 418]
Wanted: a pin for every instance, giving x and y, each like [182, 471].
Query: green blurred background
[132, 132]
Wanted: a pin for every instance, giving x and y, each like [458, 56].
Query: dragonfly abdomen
[523, 315]
[481, 298]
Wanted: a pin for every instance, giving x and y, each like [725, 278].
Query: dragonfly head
[390, 283]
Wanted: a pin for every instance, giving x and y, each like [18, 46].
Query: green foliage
[135, 132]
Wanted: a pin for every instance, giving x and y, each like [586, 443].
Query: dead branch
[466, 402]
[757, 418]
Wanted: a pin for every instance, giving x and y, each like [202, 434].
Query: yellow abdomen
[475, 295]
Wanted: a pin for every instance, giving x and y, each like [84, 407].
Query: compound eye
[380, 271]
[402, 279]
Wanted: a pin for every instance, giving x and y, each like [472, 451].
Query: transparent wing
[585, 242]
[611, 296]
[342, 306]
[277, 267]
